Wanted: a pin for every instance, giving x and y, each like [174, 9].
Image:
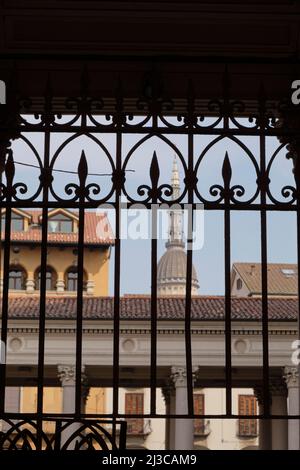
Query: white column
[172, 421]
[279, 407]
[30, 286]
[60, 286]
[291, 376]
[67, 376]
[90, 286]
[184, 428]
[166, 394]
[169, 396]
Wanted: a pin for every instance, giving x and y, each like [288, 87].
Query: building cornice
[147, 331]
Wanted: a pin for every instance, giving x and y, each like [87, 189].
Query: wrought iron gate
[153, 114]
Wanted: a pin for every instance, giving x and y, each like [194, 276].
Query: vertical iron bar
[227, 247]
[123, 435]
[227, 173]
[264, 256]
[4, 321]
[1, 244]
[227, 258]
[45, 179]
[117, 182]
[82, 173]
[189, 264]
[153, 308]
[297, 179]
[154, 175]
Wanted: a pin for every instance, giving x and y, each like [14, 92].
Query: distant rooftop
[97, 229]
[282, 278]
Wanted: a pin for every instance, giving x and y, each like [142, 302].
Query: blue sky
[209, 261]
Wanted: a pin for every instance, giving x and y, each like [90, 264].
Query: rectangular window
[247, 406]
[60, 224]
[17, 223]
[199, 424]
[134, 404]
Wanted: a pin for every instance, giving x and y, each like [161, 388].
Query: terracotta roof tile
[279, 283]
[97, 231]
[138, 308]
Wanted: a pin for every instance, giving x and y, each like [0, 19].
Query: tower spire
[175, 180]
[171, 268]
[175, 216]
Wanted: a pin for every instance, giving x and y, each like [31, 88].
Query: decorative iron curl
[288, 192]
[88, 436]
[234, 192]
[19, 437]
[226, 192]
[25, 434]
[9, 190]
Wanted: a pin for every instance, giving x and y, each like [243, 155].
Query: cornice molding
[161, 331]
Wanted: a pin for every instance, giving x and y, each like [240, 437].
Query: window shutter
[134, 404]
[247, 406]
[199, 410]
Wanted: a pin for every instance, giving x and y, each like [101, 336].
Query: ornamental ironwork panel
[154, 115]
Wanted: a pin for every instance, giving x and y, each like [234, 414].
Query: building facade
[62, 252]
[61, 277]
[208, 362]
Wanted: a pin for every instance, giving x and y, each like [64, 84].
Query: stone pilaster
[30, 286]
[279, 407]
[90, 286]
[60, 286]
[168, 392]
[291, 377]
[184, 427]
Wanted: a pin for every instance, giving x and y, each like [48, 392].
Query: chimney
[252, 269]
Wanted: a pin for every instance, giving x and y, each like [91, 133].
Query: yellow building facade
[61, 275]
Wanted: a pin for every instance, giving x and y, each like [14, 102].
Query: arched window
[51, 278]
[71, 279]
[17, 278]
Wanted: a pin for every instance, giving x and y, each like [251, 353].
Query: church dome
[171, 268]
[171, 272]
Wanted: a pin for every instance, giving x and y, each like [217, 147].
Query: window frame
[135, 426]
[14, 217]
[53, 278]
[23, 277]
[60, 219]
[74, 270]
[247, 427]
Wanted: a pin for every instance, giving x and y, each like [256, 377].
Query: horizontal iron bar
[195, 205]
[150, 57]
[174, 130]
[55, 416]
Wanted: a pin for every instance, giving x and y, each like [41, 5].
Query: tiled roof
[279, 283]
[138, 307]
[97, 231]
